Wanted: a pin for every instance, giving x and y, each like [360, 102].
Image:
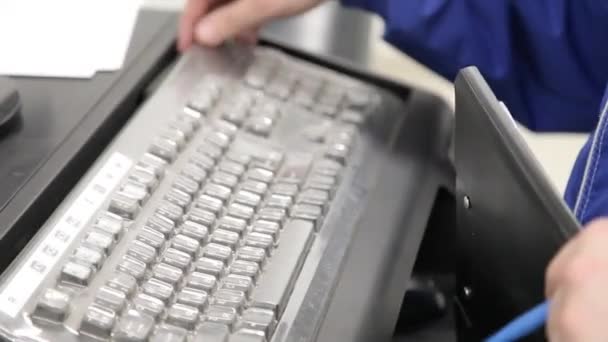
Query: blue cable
[523, 325]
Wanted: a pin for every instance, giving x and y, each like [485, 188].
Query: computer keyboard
[197, 220]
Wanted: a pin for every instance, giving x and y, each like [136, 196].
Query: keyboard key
[257, 77]
[142, 251]
[110, 223]
[257, 319]
[295, 170]
[154, 163]
[185, 184]
[229, 298]
[256, 187]
[185, 127]
[164, 148]
[359, 98]
[338, 152]
[210, 204]
[241, 211]
[75, 273]
[247, 335]
[88, 256]
[168, 274]
[134, 327]
[261, 175]
[245, 268]
[232, 224]
[231, 167]
[194, 230]
[314, 197]
[178, 197]
[168, 333]
[328, 167]
[160, 224]
[277, 215]
[225, 237]
[99, 240]
[185, 244]
[124, 206]
[321, 182]
[145, 177]
[277, 280]
[221, 314]
[226, 179]
[285, 189]
[132, 267]
[122, 282]
[203, 161]
[210, 266]
[112, 299]
[270, 160]
[151, 237]
[98, 322]
[238, 282]
[218, 252]
[218, 139]
[225, 127]
[182, 315]
[279, 201]
[148, 305]
[259, 125]
[280, 88]
[234, 114]
[201, 215]
[352, 117]
[253, 254]
[210, 150]
[134, 191]
[238, 157]
[193, 297]
[308, 212]
[201, 104]
[218, 191]
[158, 288]
[202, 281]
[170, 211]
[247, 198]
[177, 258]
[270, 228]
[53, 305]
[194, 172]
[175, 136]
[211, 332]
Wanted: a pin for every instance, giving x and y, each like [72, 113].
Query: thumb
[229, 20]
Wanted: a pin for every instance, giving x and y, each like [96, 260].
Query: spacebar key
[277, 281]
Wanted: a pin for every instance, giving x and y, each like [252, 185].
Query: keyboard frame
[406, 174]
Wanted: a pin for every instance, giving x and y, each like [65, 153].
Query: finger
[227, 21]
[579, 255]
[249, 37]
[556, 307]
[193, 11]
[559, 263]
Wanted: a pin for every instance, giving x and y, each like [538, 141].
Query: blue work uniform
[546, 59]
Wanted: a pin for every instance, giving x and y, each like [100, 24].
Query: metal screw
[467, 202]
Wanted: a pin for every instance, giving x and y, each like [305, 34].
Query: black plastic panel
[515, 221]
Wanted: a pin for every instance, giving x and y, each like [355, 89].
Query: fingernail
[206, 34]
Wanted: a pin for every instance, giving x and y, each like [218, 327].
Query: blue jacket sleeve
[546, 59]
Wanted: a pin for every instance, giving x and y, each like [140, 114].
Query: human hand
[210, 22]
[577, 286]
